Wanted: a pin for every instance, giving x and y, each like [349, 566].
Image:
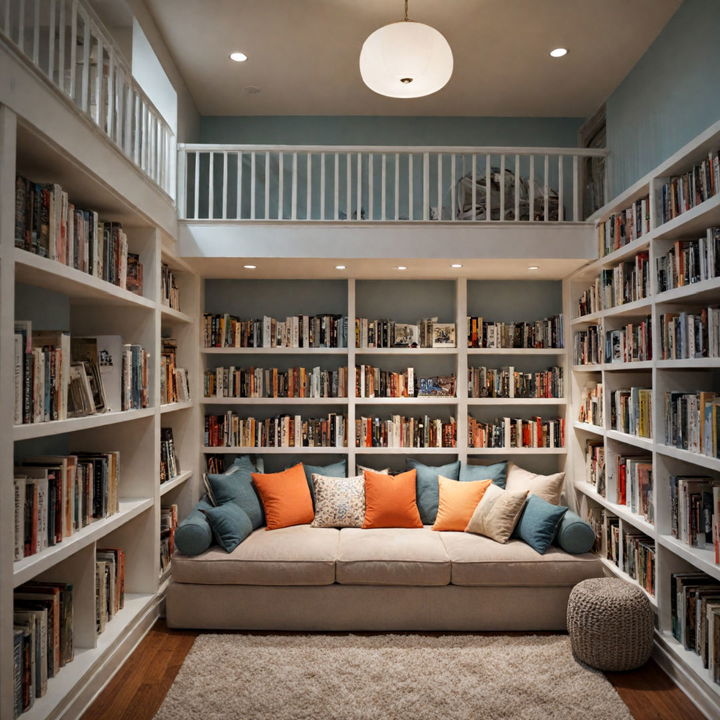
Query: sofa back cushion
[458, 501]
[339, 502]
[338, 469]
[390, 500]
[497, 513]
[497, 472]
[236, 486]
[427, 485]
[285, 497]
[547, 487]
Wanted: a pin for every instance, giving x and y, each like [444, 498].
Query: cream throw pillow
[547, 487]
[497, 513]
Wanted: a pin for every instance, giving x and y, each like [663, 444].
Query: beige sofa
[304, 578]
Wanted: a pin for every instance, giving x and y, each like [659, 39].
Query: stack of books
[692, 420]
[623, 227]
[631, 343]
[508, 382]
[168, 525]
[588, 346]
[426, 333]
[638, 553]
[591, 405]
[689, 261]
[373, 382]
[509, 432]
[632, 411]
[109, 585]
[595, 465]
[546, 333]
[401, 431]
[634, 485]
[624, 283]
[695, 511]
[683, 192]
[169, 464]
[174, 382]
[169, 293]
[688, 334]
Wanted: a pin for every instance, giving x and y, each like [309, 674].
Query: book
[85, 350]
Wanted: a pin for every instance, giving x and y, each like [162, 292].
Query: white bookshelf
[672, 555]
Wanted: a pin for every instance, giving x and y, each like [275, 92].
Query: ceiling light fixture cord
[406, 11]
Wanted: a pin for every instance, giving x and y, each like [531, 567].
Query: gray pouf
[611, 624]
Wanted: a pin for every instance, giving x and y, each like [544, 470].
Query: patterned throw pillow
[339, 502]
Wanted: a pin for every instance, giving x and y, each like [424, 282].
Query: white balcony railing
[66, 42]
[382, 184]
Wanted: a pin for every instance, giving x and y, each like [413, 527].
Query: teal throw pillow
[230, 525]
[245, 462]
[539, 523]
[237, 487]
[496, 472]
[426, 485]
[193, 534]
[338, 469]
[575, 536]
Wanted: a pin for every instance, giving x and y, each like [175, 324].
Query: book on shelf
[384, 333]
[401, 431]
[689, 261]
[612, 538]
[595, 465]
[626, 282]
[85, 351]
[546, 333]
[590, 409]
[623, 227]
[681, 193]
[174, 381]
[692, 421]
[509, 382]
[169, 293]
[169, 464]
[594, 515]
[168, 525]
[231, 430]
[109, 585]
[135, 377]
[297, 331]
[634, 485]
[638, 558]
[507, 432]
[630, 343]
[690, 334]
[134, 282]
[587, 346]
[631, 411]
[295, 382]
[695, 511]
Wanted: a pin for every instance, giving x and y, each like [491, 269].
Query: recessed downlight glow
[558, 52]
[456, 265]
[533, 267]
[250, 267]
[341, 267]
[401, 267]
[238, 56]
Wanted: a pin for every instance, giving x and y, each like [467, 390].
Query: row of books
[57, 495]
[683, 192]
[400, 431]
[695, 511]
[507, 382]
[688, 334]
[590, 407]
[630, 343]
[595, 465]
[627, 282]
[507, 432]
[623, 227]
[231, 430]
[638, 558]
[48, 224]
[297, 331]
[169, 293]
[428, 332]
[42, 638]
[632, 411]
[587, 346]
[168, 525]
[634, 485]
[689, 261]
[169, 463]
[546, 333]
[174, 381]
[373, 382]
[295, 382]
[692, 421]
[109, 585]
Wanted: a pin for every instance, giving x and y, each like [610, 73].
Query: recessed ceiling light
[558, 52]
[401, 267]
[250, 267]
[456, 265]
[341, 267]
[238, 56]
[533, 267]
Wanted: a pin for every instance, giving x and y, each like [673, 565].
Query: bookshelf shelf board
[594, 367]
[616, 256]
[407, 351]
[58, 427]
[29, 567]
[588, 319]
[699, 292]
[87, 659]
[636, 440]
[637, 307]
[272, 351]
[164, 575]
[619, 572]
[625, 366]
[516, 401]
[406, 450]
[169, 313]
[516, 351]
[239, 450]
[273, 401]
[416, 400]
[697, 219]
[704, 559]
[516, 451]
[637, 521]
[177, 481]
[589, 427]
[163, 586]
[705, 461]
[688, 363]
[78, 286]
[172, 407]
[690, 660]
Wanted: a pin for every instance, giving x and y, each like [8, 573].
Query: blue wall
[671, 95]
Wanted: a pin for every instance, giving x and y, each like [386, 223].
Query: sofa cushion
[392, 556]
[338, 469]
[478, 561]
[297, 555]
[230, 525]
[497, 472]
[427, 485]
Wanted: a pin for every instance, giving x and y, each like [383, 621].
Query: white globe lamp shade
[406, 60]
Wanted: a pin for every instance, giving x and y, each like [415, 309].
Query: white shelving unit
[672, 555]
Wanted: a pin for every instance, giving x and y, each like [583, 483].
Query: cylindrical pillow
[193, 535]
[574, 535]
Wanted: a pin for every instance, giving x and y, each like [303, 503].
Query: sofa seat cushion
[480, 561]
[297, 555]
[392, 556]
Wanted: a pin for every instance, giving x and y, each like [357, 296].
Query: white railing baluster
[439, 187]
[6, 19]
[61, 48]
[397, 186]
[196, 189]
[267, 186]
[426, 186]
[225, 185]
[98, 79]
[211, 186]
[453, 187]
[358, 189]
[336, 210]
[322, 186]
[21, 25]
[545, 191]
[516, 188]
[281, 185]
[371, 198]
[576, 188]
[110, 116]
[502, 186]
[129, 113]
[383, 187]
[308, 186]
[348, 186]
[474, 186]
[561, 214]
[253, 175]
[293, 188]
[238, 194]
[73, 46]
[488, 187]
[182, 185]
[51, 41]
[36, 33]
[531, 190]
[411, 209]
[85, 87]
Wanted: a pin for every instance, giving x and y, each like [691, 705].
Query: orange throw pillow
[457, 502]
[390, 501]
[285, 497]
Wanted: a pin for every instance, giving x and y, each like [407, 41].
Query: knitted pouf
[610, 623]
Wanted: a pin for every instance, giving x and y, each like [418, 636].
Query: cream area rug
[351, 677]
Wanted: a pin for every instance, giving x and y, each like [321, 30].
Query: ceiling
[303, 54]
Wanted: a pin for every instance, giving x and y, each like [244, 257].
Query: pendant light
[406, 59]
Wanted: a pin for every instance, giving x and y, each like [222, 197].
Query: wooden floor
[139, 687]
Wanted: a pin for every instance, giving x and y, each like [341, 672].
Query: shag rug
[351, 677]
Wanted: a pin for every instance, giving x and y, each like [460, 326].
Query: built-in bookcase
[663, 376]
